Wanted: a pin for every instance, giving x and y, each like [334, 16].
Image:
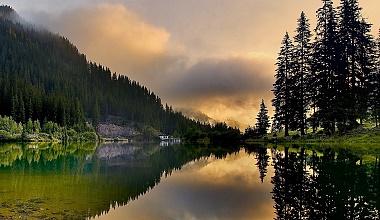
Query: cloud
[114, 36]
[178, 65]
[190, 53]
[223, 77]
[228, 89]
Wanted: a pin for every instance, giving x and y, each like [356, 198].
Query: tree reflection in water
[41, 181]
[332, 184]
[81, 181]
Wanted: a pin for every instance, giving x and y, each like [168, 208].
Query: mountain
[44, 77]
[197, 115]
[7, 13]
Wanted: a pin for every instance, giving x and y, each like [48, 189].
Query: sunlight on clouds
[114, 36]
[228, 89]
[217, 56]
[243, 110]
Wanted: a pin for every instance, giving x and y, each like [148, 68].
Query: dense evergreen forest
[43, 77]
[331, 81]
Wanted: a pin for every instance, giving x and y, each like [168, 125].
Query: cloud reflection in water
[208, 188]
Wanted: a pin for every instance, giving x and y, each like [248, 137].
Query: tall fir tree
[302, 73]
[262, 118]
[324, 68]
[355, 62]
[96, 116]
[282, 86]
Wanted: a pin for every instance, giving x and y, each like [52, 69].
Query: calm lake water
[149, 181]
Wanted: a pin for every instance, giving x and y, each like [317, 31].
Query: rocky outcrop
[115, 127]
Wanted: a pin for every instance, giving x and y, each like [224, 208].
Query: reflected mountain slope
[77, 182]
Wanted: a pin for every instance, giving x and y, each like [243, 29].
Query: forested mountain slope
[44, 77]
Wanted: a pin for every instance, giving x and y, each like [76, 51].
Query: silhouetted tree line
[220, 132]
[43, 77]
[332, 81]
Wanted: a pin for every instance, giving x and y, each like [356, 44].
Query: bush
[90, 136]
[295, 137]
[5, 135]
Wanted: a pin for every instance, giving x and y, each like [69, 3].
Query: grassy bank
[367, 135]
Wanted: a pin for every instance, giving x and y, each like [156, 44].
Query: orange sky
[216, 56]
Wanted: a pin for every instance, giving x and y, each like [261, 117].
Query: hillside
[44, 77]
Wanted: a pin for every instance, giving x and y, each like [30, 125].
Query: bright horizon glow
[215, 56]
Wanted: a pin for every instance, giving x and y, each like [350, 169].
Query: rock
[115, 127]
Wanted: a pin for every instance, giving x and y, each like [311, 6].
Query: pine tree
[262, 118]
[324, 66]
[355, 62]
[96, 116]
[282, 86]
[302, 74]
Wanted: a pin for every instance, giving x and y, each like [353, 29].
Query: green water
[74, 181]
[149, 181]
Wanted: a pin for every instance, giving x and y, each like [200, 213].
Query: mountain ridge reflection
[81, 181]
[76, 181]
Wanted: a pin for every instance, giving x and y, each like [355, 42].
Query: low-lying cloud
[225, 88]
[114, 36]
[228, 89]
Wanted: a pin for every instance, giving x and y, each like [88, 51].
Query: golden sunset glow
[211, 179]
[215, 56]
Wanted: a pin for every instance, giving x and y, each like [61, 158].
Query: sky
[213, 56]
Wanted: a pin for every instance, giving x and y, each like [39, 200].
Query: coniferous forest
[328, 78]
[44, 78]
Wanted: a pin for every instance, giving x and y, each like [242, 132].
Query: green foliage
[10, 130]
[89, 137]
[9, 125]
[149, 133]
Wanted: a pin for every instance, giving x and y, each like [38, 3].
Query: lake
[160, 181]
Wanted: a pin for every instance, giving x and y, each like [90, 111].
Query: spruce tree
[262, 118]
[96, 116]
[302, 73]
[324, 68]
[355, 62]
[282, 86]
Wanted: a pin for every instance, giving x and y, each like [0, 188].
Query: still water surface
[149, 181]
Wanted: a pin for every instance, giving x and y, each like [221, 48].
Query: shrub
[90, 136]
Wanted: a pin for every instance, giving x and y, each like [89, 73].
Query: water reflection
[208, 188]
[79, 181]
[330, 184]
